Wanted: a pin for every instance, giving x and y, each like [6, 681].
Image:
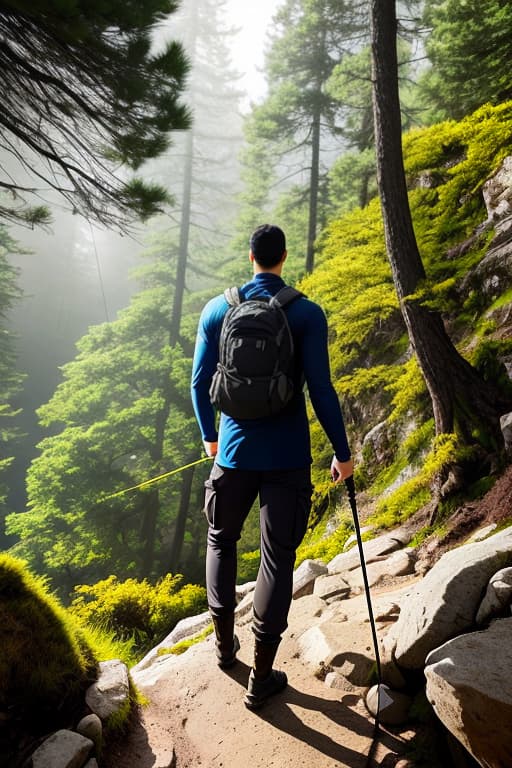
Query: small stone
[91, 727]
[393, 706]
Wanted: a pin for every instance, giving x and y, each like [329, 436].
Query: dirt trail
[197, 710]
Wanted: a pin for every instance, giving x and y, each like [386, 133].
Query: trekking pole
[351, 491]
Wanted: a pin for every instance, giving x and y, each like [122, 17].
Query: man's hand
[340, 470]
[210, 448]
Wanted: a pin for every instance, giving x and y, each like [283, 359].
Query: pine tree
[10, 378]
[469, 47]
[82, 92]
[112, 431]
[462, 401]
[299, 118]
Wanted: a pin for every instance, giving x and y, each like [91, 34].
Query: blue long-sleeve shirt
[281, 441]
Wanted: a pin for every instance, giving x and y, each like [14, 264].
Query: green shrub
[318, 545]
[410, 496]
[248, 564]
[46, 663]
[136, 609]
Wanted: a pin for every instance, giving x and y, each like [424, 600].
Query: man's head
[268, 245]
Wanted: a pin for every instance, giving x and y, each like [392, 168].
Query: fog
[75, 275]
[72, 277]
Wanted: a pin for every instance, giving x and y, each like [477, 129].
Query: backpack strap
[234, 296]
[285, 296]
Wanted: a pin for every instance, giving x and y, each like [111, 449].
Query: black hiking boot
[263, 680]
[258, 691]
[227, 644]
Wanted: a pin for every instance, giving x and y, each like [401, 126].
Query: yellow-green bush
[138, 609]
[410, 496]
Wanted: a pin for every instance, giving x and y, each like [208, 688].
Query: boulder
[343, 645]
[332, 587]
[373, 549]
[63, 749]
[91, 727]
[244, 607]
[470, 689]
[398, 563]
[111, 692]
[445, 602]
[304, 577]
[183, 629]
[497, 597]
[497, 192]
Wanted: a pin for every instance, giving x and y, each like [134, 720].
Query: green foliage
[86, 90]
[319, 545]
[46, 662]
[299, 118]
[184, 645]
[248, 564]
[137, 609]
[375, 373]
[353, 283]
[468, 46]
[10, 378]
[487, 359]
[121, 415]
[408, 390]
[454, 159]
[396, 507]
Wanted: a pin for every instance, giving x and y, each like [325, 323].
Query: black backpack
[255, 375]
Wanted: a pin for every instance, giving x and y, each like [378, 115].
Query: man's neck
[269, 270]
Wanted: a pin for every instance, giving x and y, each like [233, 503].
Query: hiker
[265, 456]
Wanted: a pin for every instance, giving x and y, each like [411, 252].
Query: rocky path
[195, 714]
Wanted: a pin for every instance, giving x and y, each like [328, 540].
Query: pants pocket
[209, 502]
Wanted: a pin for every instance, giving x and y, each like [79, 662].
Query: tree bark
[181, 267]
[181, 521]
[461, 399]
[313, 191]
[148, 532]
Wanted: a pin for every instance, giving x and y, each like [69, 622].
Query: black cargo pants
[285, 503]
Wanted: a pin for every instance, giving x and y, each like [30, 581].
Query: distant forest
[373, 164]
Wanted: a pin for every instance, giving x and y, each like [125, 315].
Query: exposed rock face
[497, 192]
[373, 550]
[470, 688]
[445, 602]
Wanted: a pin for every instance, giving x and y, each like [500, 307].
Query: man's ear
[283, 259]
[251, 257]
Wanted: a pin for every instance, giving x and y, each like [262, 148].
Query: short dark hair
[268, 244]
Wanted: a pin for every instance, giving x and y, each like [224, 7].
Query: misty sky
[247, 49]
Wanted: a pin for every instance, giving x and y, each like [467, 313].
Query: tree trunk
[152, 511]
[181, 267]
[181, 521]
[461, 399]
[313, 191]
[148, 532]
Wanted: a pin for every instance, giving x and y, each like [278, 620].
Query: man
[266, 457]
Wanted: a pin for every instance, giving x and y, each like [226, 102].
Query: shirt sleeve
[317, 374]
[206, 356]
